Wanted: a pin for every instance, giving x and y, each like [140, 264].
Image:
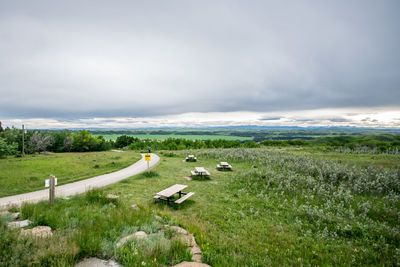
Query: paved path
[80, 186]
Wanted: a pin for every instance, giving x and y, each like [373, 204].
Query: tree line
[11, 142]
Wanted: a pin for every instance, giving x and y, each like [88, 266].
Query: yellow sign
[147, 157]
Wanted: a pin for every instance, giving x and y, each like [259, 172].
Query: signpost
[51, 183]
[147, 157]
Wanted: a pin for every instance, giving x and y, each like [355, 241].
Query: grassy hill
[277, 207]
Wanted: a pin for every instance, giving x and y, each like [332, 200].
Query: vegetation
[21, 175]
[51, 141]
[274, 208]
[90, 225]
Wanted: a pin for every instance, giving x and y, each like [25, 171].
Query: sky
[111, 64]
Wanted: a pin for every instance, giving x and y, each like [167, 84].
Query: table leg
[180, 194]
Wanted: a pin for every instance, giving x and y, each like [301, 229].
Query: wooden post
[148, 167]
[23, 140]
[52, 189]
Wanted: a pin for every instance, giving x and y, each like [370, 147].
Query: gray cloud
[84, 59]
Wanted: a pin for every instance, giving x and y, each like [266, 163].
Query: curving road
[80, 186]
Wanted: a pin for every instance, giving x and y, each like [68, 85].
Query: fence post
[52, 189]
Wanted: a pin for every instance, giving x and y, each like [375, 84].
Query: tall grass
[88, 225]
[322, 200]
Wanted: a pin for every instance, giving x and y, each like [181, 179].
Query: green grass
[90, 226]
[191, 137]
[361, 160]
[21, 175]
[269, 214]
[275, 208]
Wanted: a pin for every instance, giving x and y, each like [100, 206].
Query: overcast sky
[197, 63]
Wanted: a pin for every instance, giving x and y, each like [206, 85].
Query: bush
[7, 149]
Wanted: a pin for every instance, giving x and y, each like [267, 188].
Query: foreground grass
[21, 175]
[279, 213]
[274, 208]
[90, 226]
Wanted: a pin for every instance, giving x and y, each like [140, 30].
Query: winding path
[80, 186]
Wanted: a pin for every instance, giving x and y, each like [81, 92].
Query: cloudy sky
[67, 64]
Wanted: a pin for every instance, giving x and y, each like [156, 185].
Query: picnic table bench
[168, 193]
[200, 171]
[191, 158]
[224, 166]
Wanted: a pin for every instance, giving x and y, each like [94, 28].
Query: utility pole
[23, 140]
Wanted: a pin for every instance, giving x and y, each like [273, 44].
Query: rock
[18, 224]
[135, 207]
[188, 240]
[191, 264]
[138, 235]
[38, 231]
[179, 230]
[196, 257]
[111, 196]
[188, 178]
[15, 215]
[195, 250]
[158, 218]
[96, 262]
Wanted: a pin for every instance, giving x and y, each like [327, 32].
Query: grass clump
[87, 225]
[150, 174]
[156, 250]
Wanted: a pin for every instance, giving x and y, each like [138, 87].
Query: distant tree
[7, 149]
[68, 143]
[1, 128]
[39, 142]
[81, 141]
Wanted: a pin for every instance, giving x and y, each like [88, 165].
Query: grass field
[274, 208]
[21, 175]
[191, 137]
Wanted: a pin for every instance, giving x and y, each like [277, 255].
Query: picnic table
[169, 192]
[200, 171]
[224, 166]
[191, 158]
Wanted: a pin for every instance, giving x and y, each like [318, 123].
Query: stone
[18, 224]
[38, 231]
[195, 250]
[191, 264]
[188, 178]
[111, 196]
[196, 257]
[135, 207]
[179, 230]
[15, 215]
[96, 262]
[138, 235]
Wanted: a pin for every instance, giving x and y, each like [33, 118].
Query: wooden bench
[179, 201]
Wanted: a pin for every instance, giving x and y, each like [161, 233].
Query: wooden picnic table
[224, 166]
[200, 170]
[167, 193]
[191, 158]
[170, 191]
